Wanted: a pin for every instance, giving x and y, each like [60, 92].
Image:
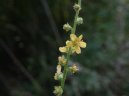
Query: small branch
[21, 67]
[51, 20]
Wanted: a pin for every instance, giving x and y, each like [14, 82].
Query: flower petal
[58, 69]
[56, 76]
[68, 43]
[73, 37]
[82, 44]
[62, 49]
[80, 37]
[78, 50]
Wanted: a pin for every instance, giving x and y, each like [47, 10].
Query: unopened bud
[79, 20]
[67, 27]
[60, 76]
[77, 7]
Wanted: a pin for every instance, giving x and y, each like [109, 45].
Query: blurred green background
[31, 32]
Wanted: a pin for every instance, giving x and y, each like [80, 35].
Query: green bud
[77, 7]
[79, 20]
[60, 76]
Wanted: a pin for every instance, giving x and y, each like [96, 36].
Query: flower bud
[67, 27]
[58, 90]
[60, 76]
[79, 20]
[77, 7]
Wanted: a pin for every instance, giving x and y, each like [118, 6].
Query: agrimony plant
[73, 46]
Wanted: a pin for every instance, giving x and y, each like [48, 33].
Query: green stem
[75, 19]
[65, 70]
[68, 54]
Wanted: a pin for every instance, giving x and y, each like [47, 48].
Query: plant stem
[75, 19]
[68, 54]
[65, 70]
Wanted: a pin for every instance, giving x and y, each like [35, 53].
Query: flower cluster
[72, 46]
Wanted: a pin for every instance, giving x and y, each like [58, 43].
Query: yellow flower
[66, 48]
[58, 90]
[62, 60]
[77, 43]
[74, 68]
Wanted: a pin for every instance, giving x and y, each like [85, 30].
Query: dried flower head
[58, 90]
[62, 60]
[74, 68]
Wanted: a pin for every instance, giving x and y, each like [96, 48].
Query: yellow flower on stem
[77, 43]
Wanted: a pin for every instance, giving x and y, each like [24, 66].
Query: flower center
[76, 42]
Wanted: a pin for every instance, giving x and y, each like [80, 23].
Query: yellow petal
[78, 50]
[68, 43]
[62, 49]
[58, 69]
[59, 58]
[55, 76]
[73, 37]
[82, 44]
[80, 37]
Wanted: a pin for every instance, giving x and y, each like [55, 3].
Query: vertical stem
[65, 70]
[68, 54]
[75, 19]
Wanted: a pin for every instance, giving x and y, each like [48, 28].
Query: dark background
[31, 32]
